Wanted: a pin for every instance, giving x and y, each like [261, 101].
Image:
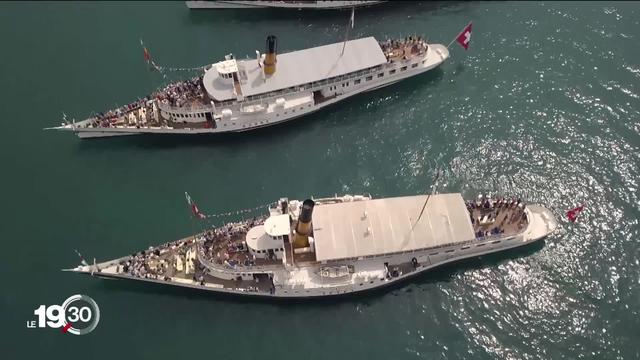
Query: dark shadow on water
[267, 134]
[440, 274]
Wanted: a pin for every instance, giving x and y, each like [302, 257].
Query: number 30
[84, 314]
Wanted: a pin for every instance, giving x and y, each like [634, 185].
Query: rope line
[237, 212]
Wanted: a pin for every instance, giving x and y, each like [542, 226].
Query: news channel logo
[78, 315]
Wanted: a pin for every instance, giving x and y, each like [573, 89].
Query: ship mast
[349, 26]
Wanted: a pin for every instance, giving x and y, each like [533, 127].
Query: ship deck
[177, 262]
[502, 217]
[187, 94]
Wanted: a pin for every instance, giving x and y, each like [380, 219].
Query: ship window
[432, 254]
[480, 245]
[424, 61]
[414, 65]
[281, 249]
[449, 251]
[369, 78]
[357, 81]
[495, 242]
[403, 68]
[464, 247]
[392, 72]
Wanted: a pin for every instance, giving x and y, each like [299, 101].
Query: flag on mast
[82, 260]
[147, 55]
[194, 208]
[147, 58]
[573, 213]
[463, 38]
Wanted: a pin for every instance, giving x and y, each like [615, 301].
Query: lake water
[545, 105]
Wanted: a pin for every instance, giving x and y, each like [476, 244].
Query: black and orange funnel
[303, 228]
[270, 56]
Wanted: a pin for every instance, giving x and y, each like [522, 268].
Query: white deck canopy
[299, 67]
[382, 226]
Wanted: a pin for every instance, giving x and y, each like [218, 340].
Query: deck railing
[229, 270]
[256, 99]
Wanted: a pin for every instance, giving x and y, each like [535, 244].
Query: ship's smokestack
[303, 228]
[270, 56]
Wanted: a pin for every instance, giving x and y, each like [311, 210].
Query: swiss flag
[464, 38]
[573, 213]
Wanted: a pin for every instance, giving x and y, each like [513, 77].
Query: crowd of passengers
[410, 45]
[107, 119]
[140, 264]
[181, 93]
[176, 94]
[489, 209]
[221, 246]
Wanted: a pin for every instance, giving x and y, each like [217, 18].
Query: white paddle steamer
[334, 246]
[239, 95]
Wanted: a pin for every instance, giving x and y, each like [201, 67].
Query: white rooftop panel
[343, 230]
[277, 225]
[299, 67]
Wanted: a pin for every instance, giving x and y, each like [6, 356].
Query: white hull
[297, 104]
[277, 4]
[369, 274]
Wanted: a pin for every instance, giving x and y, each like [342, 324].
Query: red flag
[194, 208]
[147, 56]
[464, 38]
[573, 213]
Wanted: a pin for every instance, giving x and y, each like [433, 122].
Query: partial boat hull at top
[279, 4]
[241, 95]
